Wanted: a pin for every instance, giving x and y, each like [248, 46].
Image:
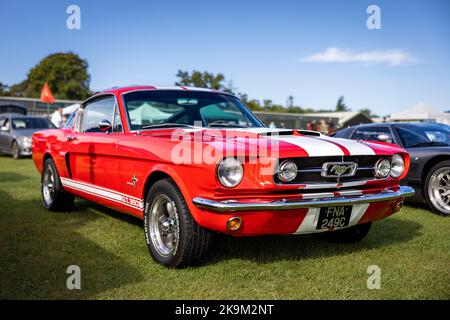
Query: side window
[7, 124]
[117, 121]
[94, 112]
[70, 120]
[343, 133]
[382, 134]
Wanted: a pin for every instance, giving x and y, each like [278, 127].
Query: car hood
[285, 142]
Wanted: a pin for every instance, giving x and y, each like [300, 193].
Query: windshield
[424, 136]
[156, 109]
[31, 123]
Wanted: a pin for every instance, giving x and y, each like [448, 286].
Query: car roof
[122, 90]
[410, 124]
[9, 115]
[19, 115]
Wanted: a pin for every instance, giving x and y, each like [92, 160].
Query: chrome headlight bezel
[397, 166]
[287, 171]
[230, 172]
[382, 168]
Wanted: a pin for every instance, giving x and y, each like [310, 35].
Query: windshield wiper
[167, 125]
[221, 123]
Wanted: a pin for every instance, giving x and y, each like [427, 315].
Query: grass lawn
[412, 248]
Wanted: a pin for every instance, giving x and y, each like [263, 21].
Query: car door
[5, 135]
[92, 151]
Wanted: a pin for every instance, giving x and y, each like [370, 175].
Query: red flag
[46, 94]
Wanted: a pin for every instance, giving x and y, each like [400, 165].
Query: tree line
[68, 78]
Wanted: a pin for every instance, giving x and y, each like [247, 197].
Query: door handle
[71, 138]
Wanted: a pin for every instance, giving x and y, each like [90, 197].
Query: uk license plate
[334, 217]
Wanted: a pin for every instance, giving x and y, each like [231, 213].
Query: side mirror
[104, 125]
[384, 137]
[4, 129]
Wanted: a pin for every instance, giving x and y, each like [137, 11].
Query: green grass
[412, 249]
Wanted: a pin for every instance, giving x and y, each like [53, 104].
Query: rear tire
[437, 185]
[54, 197]
[173, 237]
[348, 235]
[15, 150]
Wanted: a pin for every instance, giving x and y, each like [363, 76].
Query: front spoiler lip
[231, 206]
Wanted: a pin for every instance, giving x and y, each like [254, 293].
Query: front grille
[309, 169]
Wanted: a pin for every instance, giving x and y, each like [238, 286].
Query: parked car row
[428, 145]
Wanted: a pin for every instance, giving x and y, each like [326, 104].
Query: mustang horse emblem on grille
[339, 169]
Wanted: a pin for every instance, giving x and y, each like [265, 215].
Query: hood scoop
[309, 133]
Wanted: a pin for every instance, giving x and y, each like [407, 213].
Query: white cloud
[392, 57]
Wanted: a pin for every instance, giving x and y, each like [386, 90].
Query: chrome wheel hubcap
[163, 225]
[48, 186]
[439, 189]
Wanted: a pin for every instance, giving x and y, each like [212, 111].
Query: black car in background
[428, 145]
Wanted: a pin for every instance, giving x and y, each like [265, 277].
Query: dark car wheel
[174, 238]
[54, 197]
[349, 235]
[15, 150]
[437, 188]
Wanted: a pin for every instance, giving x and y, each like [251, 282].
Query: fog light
[398, 206]
[234, 223]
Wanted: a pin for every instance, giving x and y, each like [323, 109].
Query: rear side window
[382, 134]
[96, 111]
[344, 133]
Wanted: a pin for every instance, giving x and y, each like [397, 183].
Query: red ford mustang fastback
[191, 162]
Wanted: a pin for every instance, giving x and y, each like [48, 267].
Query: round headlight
[382, 168]
[287, 171]
[230, 172]
[398, 166]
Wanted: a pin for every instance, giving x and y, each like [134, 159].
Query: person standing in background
[323, 126]
[57, 118]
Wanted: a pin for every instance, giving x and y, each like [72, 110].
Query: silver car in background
[16, 131]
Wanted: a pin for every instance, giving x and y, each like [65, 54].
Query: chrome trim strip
[320, 169]
[234, 206]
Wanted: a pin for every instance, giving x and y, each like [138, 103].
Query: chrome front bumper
[234, 206]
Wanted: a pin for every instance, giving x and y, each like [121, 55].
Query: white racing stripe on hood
[354, 147]
[314, 147]
[259, 130]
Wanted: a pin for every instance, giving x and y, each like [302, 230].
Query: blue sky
[313, 50]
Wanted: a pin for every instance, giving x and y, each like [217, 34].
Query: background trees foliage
[68, 78]
[65, 73]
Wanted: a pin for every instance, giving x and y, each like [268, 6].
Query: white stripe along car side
[104, 193]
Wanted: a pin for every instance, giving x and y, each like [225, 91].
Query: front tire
[437, 188]
[173, 237]
[54, 197]
[349, 235]
[15, 150]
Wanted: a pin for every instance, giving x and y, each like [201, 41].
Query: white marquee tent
[70, 109]
[421, 112]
